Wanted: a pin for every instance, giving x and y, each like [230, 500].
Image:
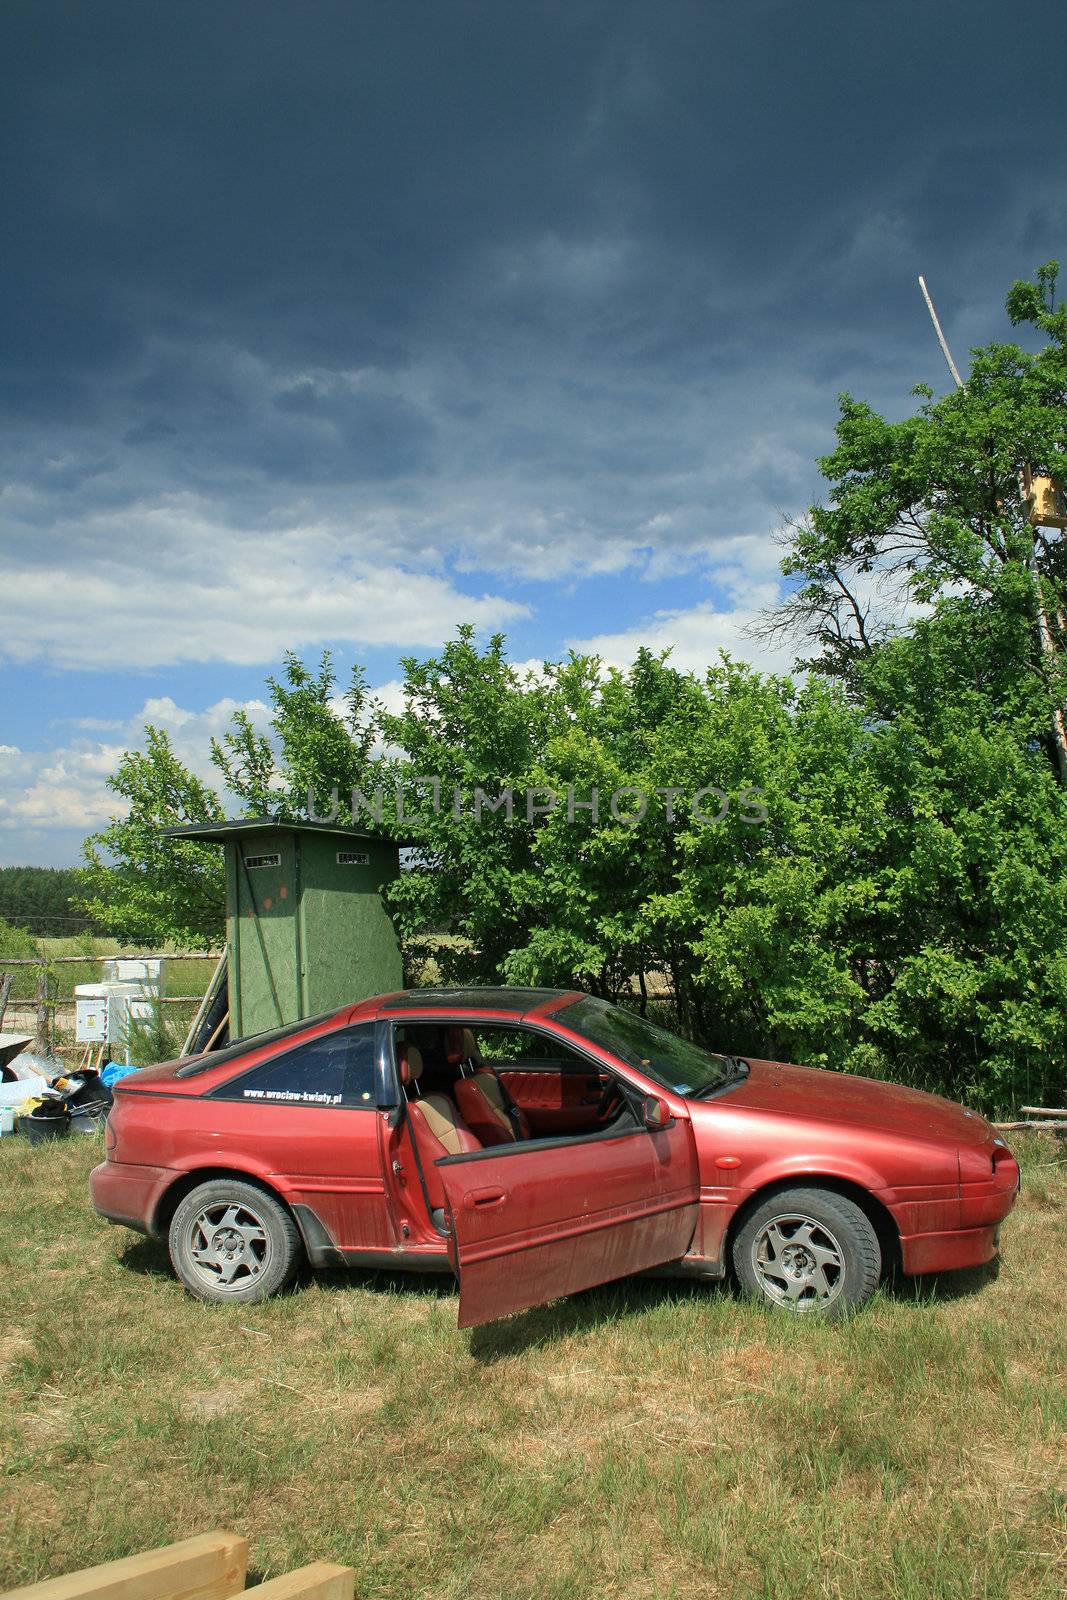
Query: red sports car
[537, 1142]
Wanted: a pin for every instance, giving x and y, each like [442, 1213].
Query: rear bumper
[127, 1194]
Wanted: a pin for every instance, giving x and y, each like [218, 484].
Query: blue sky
[340, 325]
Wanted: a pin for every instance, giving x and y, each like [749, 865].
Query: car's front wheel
[230, 1241]
[808, 1249]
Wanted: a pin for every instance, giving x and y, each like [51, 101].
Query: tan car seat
[437, 1128]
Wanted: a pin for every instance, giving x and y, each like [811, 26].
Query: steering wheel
[608, 1096]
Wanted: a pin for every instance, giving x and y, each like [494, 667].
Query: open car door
[545, 1218]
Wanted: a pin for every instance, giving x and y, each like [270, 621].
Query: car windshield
[675, 1063]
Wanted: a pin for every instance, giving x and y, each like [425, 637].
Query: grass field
[641, 1440]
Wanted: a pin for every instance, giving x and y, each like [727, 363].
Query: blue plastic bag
[114, 1071]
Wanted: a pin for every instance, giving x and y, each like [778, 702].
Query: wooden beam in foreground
[319, 1581]
[209, 1567]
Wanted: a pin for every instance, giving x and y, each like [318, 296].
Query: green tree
[41, 898]
[141, 886]
[322, 741]
[472, 723]
[960, 957]
[146, 888]
[899, 908]
[931, 510]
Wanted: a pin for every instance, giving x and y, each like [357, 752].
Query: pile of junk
[42, 1100]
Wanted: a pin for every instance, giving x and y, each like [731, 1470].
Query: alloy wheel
[798, 1262]
[229, 1246]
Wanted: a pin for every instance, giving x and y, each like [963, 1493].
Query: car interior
[495, 1088]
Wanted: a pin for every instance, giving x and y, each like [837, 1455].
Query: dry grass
[642, 1440]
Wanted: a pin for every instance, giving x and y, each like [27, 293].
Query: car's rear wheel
[808, 1250]
[233, 1242]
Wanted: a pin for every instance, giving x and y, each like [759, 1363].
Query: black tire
[808, 1249]
[232, 1242]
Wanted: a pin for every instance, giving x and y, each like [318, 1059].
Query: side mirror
[655, 1113]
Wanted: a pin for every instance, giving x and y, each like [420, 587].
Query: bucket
[41, 1130]
[89, 1118]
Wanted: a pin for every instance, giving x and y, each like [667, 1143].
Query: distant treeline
[39, 898]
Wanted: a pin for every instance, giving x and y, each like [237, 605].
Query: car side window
[336, 1069]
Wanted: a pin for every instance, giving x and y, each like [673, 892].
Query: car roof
[515, 1001]
[512, 1002]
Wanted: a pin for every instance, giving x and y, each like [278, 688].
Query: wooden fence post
[5, 990]
[42, 1042]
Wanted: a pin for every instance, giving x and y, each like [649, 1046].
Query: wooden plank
[1043, 1111]
[1031, 1127]
[210, 1566]
[129, 955]
[322, 1580]
[205, 1003]
[213, 1038]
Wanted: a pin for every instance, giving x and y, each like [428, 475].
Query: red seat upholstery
[483, 1102]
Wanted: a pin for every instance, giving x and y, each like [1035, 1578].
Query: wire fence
[37, 993]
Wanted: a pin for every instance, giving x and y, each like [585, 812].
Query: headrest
[409, 1060]
[462, 1046]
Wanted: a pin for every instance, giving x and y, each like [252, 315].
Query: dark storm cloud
[530, 288]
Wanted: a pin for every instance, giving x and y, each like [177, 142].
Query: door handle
[483, 1199]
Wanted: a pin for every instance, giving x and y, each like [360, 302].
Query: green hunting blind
[307, 929]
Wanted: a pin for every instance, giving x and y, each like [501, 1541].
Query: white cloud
[158, 586]
[391, 695]
[744, 569]
[694, 636]
[50, 798]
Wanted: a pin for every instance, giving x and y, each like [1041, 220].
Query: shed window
[263, 861]
[353, 858]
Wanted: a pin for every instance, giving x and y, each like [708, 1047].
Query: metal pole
[942, 341]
